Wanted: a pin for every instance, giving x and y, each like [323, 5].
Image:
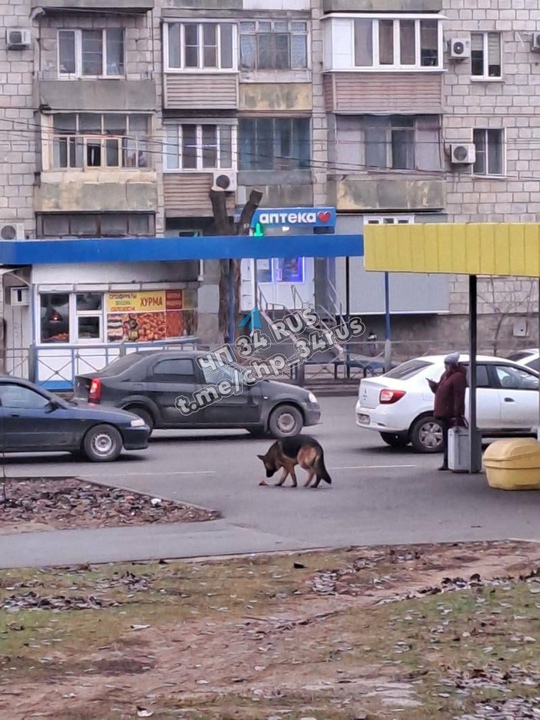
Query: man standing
[450, 399]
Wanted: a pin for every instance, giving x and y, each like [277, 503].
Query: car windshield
[408, 369]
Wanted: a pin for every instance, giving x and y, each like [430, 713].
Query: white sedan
[528, 358]
[399, 404]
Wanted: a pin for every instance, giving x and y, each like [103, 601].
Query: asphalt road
[378, 495]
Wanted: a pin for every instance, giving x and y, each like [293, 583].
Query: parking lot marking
[153, 474]
[371, 467]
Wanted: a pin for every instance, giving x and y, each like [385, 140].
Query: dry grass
[263, 637]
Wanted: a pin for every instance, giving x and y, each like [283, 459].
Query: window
[175, 370]
[89, 307]
[54, 317]
[489, 146]
[277, 45]
[274, 144]
[199, 46]
[281, 270]
[17, 397]
[405, 43]
[213, 376]
[513, 379]
[88, 140]
[408, 369]
[200, 147]
[91, 53]
[486, 55]
[401, 142]
[57, 225]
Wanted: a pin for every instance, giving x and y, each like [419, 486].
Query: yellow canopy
[463, 249]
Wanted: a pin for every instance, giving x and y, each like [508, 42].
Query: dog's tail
[320, 468]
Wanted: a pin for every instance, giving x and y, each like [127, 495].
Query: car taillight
[387, 397]
[94, 393]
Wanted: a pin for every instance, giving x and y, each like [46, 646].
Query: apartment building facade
[119, 115]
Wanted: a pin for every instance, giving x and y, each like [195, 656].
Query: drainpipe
[387, 328]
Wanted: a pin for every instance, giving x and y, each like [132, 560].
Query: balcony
[380, 6]
[198, 91]
[83, 95]
[107, 6]
[386, 192]
[352, 94]
[187, 194]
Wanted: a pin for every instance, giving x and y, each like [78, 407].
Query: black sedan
[156, 384]
[34, 420]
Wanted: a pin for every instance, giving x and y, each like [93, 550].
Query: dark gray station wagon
[148, 384]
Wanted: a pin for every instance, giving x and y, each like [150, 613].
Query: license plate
[363, 419]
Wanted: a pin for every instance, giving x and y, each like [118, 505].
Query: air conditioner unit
[12, 231]
[226, 180]
[19, 296]
[535, 42]
[459, 48]
[462, 154]
[18, 38]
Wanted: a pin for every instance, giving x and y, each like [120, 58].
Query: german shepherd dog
[300, 450]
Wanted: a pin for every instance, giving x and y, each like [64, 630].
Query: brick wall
[17, 122]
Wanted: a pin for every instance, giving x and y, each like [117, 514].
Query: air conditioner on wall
[462, 154]
[459, 48]
[226, 180]
[12, 231]
[19, 296]
[18, 38]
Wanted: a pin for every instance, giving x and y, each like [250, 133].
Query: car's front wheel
[285, 421]
[395, 440]
[102, 443]
[427, 435]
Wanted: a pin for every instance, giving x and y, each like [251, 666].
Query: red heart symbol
[324, 216]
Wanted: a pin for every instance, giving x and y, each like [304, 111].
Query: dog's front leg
[293, 476]
[284, 474]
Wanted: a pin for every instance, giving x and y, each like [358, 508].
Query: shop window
[55, 317]
[281, 270]
[101, 141]
[89, 309]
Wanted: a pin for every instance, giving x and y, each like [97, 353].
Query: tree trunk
[223, 226]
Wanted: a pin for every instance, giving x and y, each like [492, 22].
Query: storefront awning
[463, 249]
[224, 247]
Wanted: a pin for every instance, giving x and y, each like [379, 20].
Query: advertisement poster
[149, 315]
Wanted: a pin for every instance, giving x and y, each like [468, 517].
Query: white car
[528, 358]
[399, 405]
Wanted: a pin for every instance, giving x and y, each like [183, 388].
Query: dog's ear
[261, 457]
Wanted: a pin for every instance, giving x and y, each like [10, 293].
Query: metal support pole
[387, 328]
[347, 310]
[475, 438]
[538, 428]
[231, 304]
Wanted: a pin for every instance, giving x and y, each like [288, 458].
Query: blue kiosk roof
[224, 247]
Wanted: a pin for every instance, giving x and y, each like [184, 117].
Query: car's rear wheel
[395, 440]
[102, 443]
[285, 421]
[143, 414]
[427, 435]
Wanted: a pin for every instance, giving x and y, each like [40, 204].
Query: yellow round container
[513, 464]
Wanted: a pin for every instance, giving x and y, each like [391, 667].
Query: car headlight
[313, 399]
[139, 422]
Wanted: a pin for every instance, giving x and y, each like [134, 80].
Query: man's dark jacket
[450, 394]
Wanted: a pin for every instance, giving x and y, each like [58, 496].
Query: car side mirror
[51, 406]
